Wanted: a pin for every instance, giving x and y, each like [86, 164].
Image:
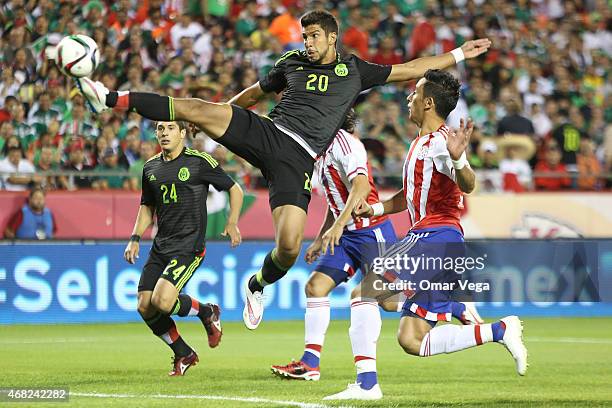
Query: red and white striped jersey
[344, 159]
[432, 194]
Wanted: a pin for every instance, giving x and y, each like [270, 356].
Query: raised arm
[457, 143]
[248, 97]
[416, 68]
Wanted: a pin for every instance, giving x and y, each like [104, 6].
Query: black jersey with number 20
[317, 97]
[178, 189]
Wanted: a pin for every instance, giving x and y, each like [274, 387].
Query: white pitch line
[584, 340]
[208, 397]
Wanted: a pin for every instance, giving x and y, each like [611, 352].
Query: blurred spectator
[356, 37]
[387, 54]
[9, 86]
[185, 28]
[76, 163]
[568, 138]
[110, 163]
[42, 113]
[15, 163]
[551, 173]
[488, 174]
[131, 149]
[32, 221]
[147, 150]
[47, 163]
[286, 27]
[542, 124]
[514, 122]
[515, 170]
[21, 129]
[589, 168]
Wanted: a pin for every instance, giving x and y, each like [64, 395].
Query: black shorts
[285, 164]
[176, 268]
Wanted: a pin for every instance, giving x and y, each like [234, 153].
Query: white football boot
[94, 92]
[253, 308]
[513, 341]
[355, 392]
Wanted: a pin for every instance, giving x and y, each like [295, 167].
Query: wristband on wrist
[135, 238]
[458, 55]
[461, 163]
[378, 209]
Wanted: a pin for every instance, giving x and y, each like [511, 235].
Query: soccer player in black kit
[320, 86]
[174, 188]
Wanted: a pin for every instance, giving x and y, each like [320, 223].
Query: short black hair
[443, 87]
[350, 121]
[323, 18]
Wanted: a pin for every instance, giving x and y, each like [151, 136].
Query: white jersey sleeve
[441, 157]
[352, 157]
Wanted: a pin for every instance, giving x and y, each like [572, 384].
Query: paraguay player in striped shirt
[435, 175]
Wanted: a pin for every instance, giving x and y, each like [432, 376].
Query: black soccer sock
[163, 327]
[270, 272]
[185, 305]
[149, 105]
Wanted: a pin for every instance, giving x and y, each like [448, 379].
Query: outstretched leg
[212, 118]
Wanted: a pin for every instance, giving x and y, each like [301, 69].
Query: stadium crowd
[540, 98]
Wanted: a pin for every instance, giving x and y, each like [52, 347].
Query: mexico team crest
[341, 70]
[183, 174]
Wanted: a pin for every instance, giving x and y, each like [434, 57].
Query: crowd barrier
[76, 282]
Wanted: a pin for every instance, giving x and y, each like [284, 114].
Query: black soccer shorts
[286, 166]
[176, 268]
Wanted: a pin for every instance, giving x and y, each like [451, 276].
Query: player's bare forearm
[360, 188]
[415, 69]
[466, 179]
[248, 97]
[143, 220]
[236, 197]
[327, 223]
[395, 204]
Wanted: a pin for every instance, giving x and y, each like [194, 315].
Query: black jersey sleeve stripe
[286, 55]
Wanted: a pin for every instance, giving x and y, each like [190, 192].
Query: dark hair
[443, 88]
[323, 18]
[35, 190]
[350, 121]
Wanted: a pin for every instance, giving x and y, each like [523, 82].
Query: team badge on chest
[183, 174]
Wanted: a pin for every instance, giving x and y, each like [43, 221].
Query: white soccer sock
[316, 322]
[449, 338]
[364, 332]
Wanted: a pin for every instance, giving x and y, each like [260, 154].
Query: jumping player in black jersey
[320, 86]
[174, 188]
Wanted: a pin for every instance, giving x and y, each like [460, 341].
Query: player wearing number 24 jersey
[174, 188]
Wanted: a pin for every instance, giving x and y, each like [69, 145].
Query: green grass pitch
[123, 365]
